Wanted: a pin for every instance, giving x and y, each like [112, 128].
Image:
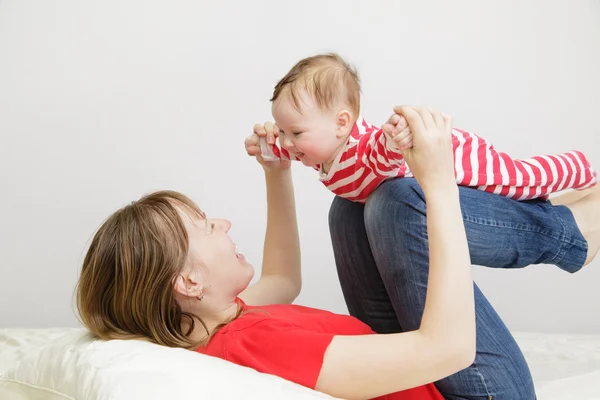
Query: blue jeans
[381, 255]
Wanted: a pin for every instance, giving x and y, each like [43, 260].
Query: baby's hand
[257, 145]
[398, 131]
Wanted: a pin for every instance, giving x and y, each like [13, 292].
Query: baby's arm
[378, 152]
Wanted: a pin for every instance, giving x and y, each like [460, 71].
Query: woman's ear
[186, 285]
[343, 120]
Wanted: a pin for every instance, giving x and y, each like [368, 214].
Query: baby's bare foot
[587, 216]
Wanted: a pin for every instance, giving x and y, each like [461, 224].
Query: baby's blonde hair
[326, 77]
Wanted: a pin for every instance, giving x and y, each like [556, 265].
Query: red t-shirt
[289, 341]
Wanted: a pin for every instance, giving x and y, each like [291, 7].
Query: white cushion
[15, 343]
[74, 365]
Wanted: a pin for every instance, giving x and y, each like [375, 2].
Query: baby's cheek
[316, 146]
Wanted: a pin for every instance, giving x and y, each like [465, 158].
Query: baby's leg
[585, 206]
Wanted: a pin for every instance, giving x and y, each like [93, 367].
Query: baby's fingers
[404, 139]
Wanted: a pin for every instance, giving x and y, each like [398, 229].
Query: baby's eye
[296, 133]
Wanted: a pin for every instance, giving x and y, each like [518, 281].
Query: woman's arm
[375, 365]
[280, 280]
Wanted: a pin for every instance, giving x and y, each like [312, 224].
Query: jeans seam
[566, 237]
[525, 228]
[482, 381]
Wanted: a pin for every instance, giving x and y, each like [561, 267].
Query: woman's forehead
[193, 216]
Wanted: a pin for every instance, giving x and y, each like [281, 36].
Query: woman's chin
[250, 270]
[247, 279]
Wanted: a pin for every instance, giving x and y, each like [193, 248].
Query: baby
[316, 109]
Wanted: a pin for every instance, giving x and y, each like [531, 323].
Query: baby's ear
[344, 120]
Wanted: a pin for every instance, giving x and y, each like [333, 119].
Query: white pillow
[16, 342]
[77, 366]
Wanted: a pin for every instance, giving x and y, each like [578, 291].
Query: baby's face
[311, 134]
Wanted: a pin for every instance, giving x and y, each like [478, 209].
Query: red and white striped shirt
[369, 158]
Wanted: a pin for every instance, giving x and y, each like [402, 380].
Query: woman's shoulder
[275, 340]
[258, 317]
[254, 324]
[254, 317]
[290, 316]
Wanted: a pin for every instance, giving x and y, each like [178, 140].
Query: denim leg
[502, 233]
[499, 371]
[364, 292]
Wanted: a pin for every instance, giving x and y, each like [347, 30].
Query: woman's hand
[430, 157]
[269, 132]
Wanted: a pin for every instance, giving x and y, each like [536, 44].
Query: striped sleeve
[282, 153]
[380, 155]
[479, 165]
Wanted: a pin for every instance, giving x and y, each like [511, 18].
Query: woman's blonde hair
[126, 288]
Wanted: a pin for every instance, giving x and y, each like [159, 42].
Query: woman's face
[213, 259]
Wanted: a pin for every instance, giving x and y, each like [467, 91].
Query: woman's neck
[212, 320]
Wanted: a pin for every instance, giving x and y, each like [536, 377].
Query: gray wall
[103, 101]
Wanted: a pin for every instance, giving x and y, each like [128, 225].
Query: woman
[159, 269]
